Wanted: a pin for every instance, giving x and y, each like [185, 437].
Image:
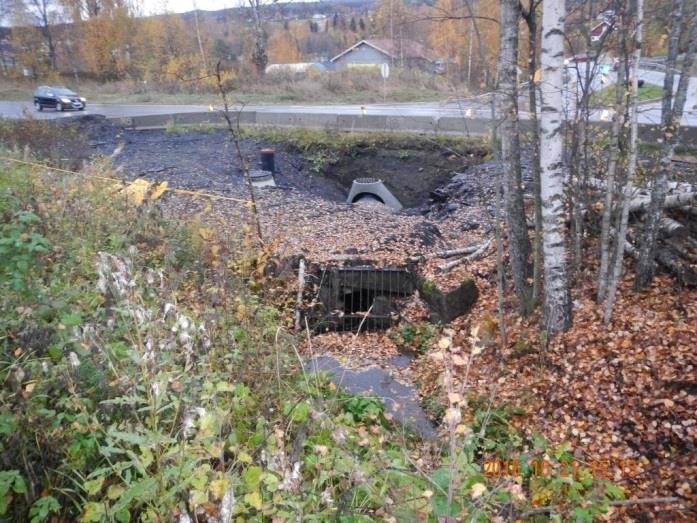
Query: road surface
[649, 113]
[451, 108]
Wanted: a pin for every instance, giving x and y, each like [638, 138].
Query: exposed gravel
[306, 213]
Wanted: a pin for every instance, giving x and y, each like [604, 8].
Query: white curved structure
[261, 178]
[372, 191]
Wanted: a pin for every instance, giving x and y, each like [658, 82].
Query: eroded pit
[317, 164]
[411, 167]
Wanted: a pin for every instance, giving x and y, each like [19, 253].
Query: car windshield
[63, 91]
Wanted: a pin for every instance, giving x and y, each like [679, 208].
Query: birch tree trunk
[480, 46]
[259, 56]
[556, 285]
[617, 126]
[671, 127]
[625, 197]
[518, 240]
[530, 16]
[201, 50]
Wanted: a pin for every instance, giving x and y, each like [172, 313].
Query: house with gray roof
[374, 52]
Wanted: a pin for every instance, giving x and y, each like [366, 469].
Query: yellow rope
[108, 178]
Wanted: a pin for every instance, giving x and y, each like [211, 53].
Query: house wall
[363, 55]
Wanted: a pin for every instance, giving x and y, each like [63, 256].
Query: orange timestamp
[598, 467]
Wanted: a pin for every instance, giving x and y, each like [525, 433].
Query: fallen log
[671, 228]
[681, 251]
[641, 204]
[689, 210]
[482, 248]
[683, 273]
[447, 254]
[641, 198]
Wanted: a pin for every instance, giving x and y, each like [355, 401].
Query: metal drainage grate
[359, 297]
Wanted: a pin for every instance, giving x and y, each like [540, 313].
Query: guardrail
[376, 122]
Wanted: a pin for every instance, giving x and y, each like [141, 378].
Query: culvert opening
[410, 168]
[349, 298]
[368, 196]
[358, 300]
[372, 191]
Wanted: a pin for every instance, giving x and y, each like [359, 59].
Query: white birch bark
[556, 285]
[671, 127]
[631, 169]
[617, 125]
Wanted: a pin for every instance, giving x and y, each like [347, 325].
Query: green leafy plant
[11, 482]
[144, 380]
[364, 408]
[319, 160]
[413, 337]
[20, 247]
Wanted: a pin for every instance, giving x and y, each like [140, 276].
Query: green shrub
[142, 380]
[413, 337]
[20, 248]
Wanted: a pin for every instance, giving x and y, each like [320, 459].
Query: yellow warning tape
[109, 178]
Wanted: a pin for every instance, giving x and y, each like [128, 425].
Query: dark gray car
[58, 98]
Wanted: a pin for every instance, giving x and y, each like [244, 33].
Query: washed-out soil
[412, 168]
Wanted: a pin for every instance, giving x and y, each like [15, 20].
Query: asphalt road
[649, 113]
[20, 109]
[450, 108]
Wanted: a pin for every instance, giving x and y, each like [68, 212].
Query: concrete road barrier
[466, 126]
[151, 121]
[198, 118]
[307, 120]
[648, 133]
[366, 122]
[422, 124]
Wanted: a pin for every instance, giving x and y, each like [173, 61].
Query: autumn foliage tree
[36, 42]
[283, 47]
[448, 38]
[106, 40]
[465, 34]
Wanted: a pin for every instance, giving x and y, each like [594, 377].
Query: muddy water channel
[400, 400]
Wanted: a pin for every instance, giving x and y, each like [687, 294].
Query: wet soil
[410, 170]
[195, 159]
[400, 400]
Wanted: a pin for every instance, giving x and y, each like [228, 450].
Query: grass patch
[331, 87]
[605, 97]
[307, 139]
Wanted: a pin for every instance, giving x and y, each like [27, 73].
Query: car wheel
[82, 108]
[38, 106]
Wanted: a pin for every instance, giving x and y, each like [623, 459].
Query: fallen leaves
[477, 490]
[139, 191]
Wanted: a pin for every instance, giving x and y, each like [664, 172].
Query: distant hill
[289, 8]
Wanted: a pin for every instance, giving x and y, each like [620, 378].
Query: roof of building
[396, 49]
[599, 30]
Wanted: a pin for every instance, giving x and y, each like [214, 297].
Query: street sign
[385, 71]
